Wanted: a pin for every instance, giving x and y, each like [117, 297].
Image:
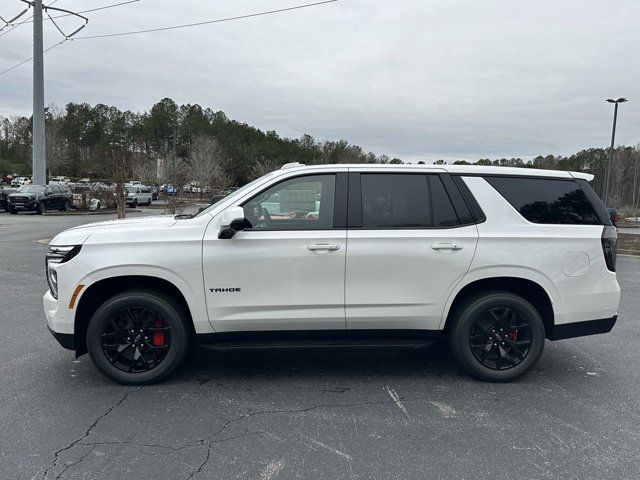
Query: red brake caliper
[513, 335]
[158, 337]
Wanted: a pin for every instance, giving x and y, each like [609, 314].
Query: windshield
[132, 190]
[236, 193]
[31, 189]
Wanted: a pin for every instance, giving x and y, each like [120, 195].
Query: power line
[208, 22]
[228, 19]
[30, 19]
[16, 25]
[29, 59]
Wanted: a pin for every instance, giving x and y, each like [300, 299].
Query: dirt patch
[628, 244]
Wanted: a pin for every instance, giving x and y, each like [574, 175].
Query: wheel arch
[100, 291]
[528, 289]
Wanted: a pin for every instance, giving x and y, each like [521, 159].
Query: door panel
[285, 284]
[400, 279]
[408, 246]
[286, 272]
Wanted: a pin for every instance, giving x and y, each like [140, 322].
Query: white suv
[492, 259]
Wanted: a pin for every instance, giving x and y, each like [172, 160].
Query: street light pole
[38, 150]
[605, 196]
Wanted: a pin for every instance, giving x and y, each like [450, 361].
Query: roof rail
[287, 166]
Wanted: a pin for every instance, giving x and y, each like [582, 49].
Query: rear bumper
[581, 329]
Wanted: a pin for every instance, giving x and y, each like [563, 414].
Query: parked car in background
[135, 197]
[151, 189]
[6, 179]
[4, 194]
[83, 185]
[170, 190]
[19, 181]
[59, 180]
[40, 198]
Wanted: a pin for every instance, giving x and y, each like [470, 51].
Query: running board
[321, 339]
[415, 344]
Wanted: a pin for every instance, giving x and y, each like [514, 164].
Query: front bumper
[23, 206]
[64, 339]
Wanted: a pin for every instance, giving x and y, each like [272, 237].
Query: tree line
[196, 143]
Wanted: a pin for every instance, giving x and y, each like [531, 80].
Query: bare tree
[120, 170]
[55, 142]
[145, 169]
[206, 163]
[264, 166]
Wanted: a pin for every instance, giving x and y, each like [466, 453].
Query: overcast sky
[418, 79]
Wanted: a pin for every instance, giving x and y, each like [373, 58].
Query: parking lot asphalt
[308, 414]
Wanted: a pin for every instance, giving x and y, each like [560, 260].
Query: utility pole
[38, 150]
[613, 138]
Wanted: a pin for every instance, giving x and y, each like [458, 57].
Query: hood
[24, 194]
[79, 235]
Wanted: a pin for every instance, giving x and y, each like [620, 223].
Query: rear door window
[395, 201]
[547, 200]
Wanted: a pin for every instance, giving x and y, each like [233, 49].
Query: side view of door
[286, 271]
[411, 239]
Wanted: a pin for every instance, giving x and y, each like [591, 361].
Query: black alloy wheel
[500, 338]
[135, 339]
[496, 336]
[41, 208]
[138, 337]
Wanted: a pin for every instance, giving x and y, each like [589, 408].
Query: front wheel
[137, 337]
[41, 208]
[497, 336]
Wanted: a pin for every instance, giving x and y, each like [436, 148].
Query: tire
[67, 206]
[41, 208]
[13, 211]
[108, 331]
[485, 343]
[134, 204]
[149, 202]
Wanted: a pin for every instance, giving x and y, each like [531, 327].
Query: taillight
[609, 242]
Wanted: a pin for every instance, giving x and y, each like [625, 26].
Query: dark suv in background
[39, 198]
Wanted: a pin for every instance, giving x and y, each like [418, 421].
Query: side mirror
[232, 221]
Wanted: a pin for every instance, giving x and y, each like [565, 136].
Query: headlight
[58, 255]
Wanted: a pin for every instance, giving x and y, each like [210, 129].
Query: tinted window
[444, 215]
[542, 200]
[302, 203]
[395, 201]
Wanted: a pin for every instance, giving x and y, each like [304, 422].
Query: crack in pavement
[207, 442]
[56, 454]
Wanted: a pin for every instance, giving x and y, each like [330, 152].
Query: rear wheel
[497, 336]
[41, 208]
[137, 337]
[134, 204]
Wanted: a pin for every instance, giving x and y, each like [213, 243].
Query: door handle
[323, 246]
[446, 246]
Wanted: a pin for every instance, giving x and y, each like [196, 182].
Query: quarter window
[551, 201]
[444, 215]
[302, 203]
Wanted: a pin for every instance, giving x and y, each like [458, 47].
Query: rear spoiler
[584, 176]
